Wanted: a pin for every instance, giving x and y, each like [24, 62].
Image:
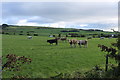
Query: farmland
[45, 31]
[48, 60]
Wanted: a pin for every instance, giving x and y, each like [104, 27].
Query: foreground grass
[48, 60]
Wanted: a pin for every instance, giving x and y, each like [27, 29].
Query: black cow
[51, 41]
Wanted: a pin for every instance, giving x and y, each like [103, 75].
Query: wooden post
[106, 66]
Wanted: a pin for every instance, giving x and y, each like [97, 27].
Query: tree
[118, 46]
[4, 26]
[59, 35]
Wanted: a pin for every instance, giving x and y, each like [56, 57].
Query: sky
[80, 15]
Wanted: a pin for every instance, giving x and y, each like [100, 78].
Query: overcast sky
[85, 15]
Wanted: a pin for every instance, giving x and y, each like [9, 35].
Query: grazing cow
[83, 42]
[51, 41]
[63, 39]
[72, 42]
[102, 37]
[29, 37]
[50, 35]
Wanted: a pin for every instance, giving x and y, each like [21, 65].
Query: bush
[29, 34]
[35, 34]
[21, 34]
[14, 62]
[7, 33]
[96, 72]
[3, 33]
[83, 36]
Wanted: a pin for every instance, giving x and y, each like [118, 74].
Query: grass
[43, 31]
[48, 60]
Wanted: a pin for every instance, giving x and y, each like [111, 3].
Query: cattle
[72, 42]
[83, 42]
[50, 35]
[63, 39]
[102, 37]
[29, 37]
[51, 41]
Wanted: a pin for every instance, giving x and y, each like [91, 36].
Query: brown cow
[63, 38]
[72, 42]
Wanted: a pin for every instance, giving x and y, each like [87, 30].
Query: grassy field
[48, 60]
[43, 31]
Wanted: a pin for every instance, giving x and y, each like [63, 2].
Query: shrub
[96, 72]
[21, 34]
[7, 33]
[14, 62]
[35, 34]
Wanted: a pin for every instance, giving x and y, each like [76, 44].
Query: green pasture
[44, 31]
[48, 60]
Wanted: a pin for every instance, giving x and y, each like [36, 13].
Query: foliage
[75, 74]
[111, 52]
[115, 54]
[96, 72]
[118, 42]
[4, 26]
[35, 34]
[14, 62]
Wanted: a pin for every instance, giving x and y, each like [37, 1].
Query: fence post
[106, 66]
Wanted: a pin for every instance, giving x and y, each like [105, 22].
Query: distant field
[48, 59]
[43, 31]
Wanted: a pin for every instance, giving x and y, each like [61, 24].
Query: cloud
[61, 14]
[60, 0]
[59, 25]
[83, 25]
[24, 22]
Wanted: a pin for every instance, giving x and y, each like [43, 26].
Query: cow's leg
[56, 43]
[70, 44]
[86, 45]
[50, 43]
[74, 46]
[80, 45]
